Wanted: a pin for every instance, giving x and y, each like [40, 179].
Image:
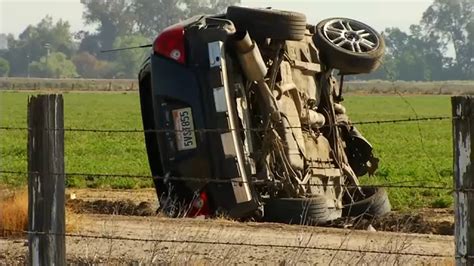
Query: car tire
[349, 45]
[303, 211]
[375, 204]
[268, 23]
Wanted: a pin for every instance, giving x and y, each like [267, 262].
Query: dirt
[122, 207]
[194, 241]
[143, 203]
[112, 214]
[135, 195]
[423, 221]
[426, 221]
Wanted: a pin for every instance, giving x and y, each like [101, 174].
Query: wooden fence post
[463, 140]
[46, 185]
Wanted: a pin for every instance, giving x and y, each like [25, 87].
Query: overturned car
[243, 117]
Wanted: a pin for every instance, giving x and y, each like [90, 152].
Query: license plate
[184, 126]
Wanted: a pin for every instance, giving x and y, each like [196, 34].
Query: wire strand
[225, 130]
[202, 242]
[223, 181]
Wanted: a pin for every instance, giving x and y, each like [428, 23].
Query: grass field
[418, 153]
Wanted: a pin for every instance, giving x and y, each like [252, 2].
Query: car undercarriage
[244, 117]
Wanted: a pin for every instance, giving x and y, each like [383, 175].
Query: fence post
[463, 137]
[46, 208]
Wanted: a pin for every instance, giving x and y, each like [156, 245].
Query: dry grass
[14, 215]
[74, 221]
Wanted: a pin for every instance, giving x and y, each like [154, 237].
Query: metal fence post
[463, 137]
[46, 208]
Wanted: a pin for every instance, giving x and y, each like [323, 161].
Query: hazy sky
[15, 15]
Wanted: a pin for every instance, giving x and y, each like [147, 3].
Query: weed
[14, 213]
[123, 183]
[75, 182]
[444, 201]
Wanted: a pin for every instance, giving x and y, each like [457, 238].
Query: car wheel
[349, 45]
[268, 23]
[375, 204]
[305, 211]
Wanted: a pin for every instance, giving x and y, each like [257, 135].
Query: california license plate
[184, 126]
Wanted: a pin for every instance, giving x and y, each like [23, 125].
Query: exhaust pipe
[255, 70]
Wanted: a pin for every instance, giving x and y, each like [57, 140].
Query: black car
[243, 117]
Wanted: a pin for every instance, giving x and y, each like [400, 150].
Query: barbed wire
[207, 180]
[224, 130]
[213, 180]
[204, 242]
[226, 181]
[415, 113]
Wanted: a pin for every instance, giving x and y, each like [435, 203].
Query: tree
[199, 7]
[412, 56]
[409, 62]
[88, 66]
[128, 62]
[125, 23]
[452, 21]
[56, 65]
[113, 18]
[90, 43]
[145, 17]
[36, 42]
[470, 49]
[150, 22]
[4, 67]
[152, 16]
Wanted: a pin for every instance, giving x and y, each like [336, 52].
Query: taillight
[200, 206]
[170, 43]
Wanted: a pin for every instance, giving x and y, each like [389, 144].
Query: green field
[410, 153]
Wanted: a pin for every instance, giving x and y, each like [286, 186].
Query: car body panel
[192, 95]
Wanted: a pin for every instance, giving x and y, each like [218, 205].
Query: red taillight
[200, 206]
[170, 43]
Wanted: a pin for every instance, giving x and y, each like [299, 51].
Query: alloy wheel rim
[351, 36]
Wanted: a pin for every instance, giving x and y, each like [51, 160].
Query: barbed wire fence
[397, 185]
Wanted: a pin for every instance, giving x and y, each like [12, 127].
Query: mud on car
[243, 117]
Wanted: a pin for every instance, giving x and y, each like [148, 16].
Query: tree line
[421, 54]
[50, 49]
